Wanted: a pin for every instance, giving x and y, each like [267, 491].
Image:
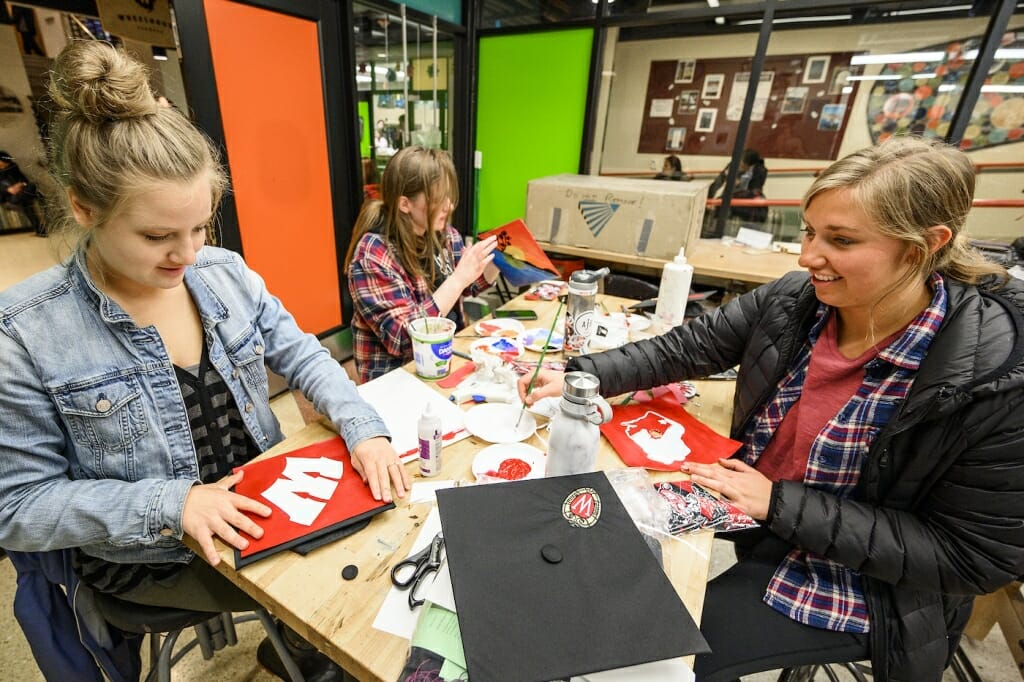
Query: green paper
[437, 630]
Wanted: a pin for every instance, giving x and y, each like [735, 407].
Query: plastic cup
[432, 346]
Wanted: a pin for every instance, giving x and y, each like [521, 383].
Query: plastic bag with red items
[695, 508]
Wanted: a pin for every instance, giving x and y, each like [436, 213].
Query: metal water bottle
[579, 310]
[575, 436]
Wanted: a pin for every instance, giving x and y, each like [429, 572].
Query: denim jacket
[95, 445]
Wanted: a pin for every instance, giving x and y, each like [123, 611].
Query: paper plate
[533, 339]
[635, 322]
[504, 327]
[506, 348]
[509, 461]
[496, 423]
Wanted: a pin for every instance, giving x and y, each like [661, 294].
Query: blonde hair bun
[100, 83]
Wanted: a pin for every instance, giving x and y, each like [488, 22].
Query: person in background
[750, 185]
[19, 192]
[879, 404]
[134, 372]
[371, 183]
[406, 262]
[672, 169]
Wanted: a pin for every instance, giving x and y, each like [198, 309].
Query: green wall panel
[367, 136]
[532, 96]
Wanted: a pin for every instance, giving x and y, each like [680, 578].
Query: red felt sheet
[661, 435]
[306, 497]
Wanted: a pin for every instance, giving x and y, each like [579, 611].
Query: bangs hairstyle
[412, 171]
[905, 186]
[110, 138]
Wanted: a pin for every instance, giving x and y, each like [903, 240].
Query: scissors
[423, 563]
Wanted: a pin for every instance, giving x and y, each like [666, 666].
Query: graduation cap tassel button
[551, 554]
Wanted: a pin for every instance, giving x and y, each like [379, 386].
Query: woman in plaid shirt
[407, 262]
[880, 403]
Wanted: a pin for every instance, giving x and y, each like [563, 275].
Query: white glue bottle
[674, 291]
[428, 430]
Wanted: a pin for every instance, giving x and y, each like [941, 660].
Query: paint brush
[543, 352]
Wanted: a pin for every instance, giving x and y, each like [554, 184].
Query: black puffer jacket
[938, 515]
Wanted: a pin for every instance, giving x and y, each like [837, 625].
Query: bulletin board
[693, 106]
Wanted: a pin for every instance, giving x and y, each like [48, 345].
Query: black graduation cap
[552, 579]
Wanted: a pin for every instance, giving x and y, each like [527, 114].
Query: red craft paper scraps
[311, 491]
[660, 434]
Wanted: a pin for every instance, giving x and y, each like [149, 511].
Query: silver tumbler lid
[580, 387]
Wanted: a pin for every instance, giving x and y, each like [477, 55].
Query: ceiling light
[797, 20]
[930, 10]
[847, 89]
[947, 87]
[880, 77]
[923, 75]
[712, 3]
[898, 58]
[720, 21]
[1002, 88]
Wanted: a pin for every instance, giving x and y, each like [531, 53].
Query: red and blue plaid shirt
[806, 586]
[386, 298]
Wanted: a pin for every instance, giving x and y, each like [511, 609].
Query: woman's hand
[474, 261]
[377, 464]
[548, 383]
[212, 509]
[736, 482]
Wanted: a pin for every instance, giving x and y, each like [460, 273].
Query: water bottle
[575, 436]
[579, 310]
[428, 431]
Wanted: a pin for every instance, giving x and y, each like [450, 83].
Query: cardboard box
[651, 218]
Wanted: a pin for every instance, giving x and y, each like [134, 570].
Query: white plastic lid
[681, 258]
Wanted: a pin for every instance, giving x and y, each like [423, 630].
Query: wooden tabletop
[711, 258]
[336, 616]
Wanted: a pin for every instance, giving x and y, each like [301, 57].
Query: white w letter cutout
[295, 479]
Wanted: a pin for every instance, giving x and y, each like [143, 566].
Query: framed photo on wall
[795, 99]
[816, 70]
[831, 117]
[712, 86]
[706, 120]
[686, 102]
[838, 80]
[675, 139]
[684, 70]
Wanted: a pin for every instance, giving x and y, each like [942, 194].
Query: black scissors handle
[423, 563]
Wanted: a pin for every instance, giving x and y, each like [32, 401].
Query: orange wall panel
[268, 72]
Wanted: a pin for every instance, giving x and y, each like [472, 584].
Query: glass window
[400, 106]
[831, 83]
[509, 13]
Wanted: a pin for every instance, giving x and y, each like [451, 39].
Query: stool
[1006, 607]
[213, 631]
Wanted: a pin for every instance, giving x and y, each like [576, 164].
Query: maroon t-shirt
[831, 381]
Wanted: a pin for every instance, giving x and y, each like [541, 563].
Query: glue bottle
[429, 434]
[575, 428]
[674, 291]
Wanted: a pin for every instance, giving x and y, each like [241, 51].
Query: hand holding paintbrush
[540, 363]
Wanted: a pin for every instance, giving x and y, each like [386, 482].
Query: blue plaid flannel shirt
[806, 586]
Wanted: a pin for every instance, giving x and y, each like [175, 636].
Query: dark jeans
[198, 586]
[748, 636]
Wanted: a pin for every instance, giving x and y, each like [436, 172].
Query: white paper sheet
[394, 615]
[400, 399]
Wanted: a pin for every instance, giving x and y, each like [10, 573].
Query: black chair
[961, 667]
[214, 631]
[626, 286]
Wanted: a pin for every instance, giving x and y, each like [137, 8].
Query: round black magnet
[350, 572]
[551, 554]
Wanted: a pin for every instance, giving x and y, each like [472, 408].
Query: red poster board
[661, 435]
[312, 492]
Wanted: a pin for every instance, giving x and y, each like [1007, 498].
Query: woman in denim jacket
[134, 375]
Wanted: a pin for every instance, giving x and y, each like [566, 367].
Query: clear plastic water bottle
[575, 432]
[579, 309]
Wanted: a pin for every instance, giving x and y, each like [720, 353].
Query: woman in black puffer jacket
[880, 403]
